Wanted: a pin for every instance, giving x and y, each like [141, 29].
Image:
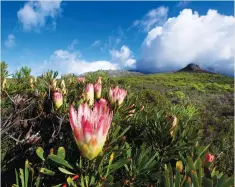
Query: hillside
[202, 104]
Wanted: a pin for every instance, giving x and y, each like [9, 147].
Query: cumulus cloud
[183, 4]
[207, 40]
[36, 14]
[123, 57]
[65, 62]
[10, 42]
[72, 45]
[152, 18]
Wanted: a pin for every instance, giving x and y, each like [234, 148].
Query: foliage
[162, 120]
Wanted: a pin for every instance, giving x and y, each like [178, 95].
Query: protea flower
[81, 80]
[62, 84]
[209, 157]
[99, 80]
[58, 99]
[117, 94]
[97, 89]
[179, 165]
[89, 93]
[90, 127]
[4, 83]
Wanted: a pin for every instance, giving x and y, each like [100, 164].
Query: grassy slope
[211, 94]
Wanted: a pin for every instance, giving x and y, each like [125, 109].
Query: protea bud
[97, 89]
[117, 94]
[209, 157]
[90, 127]
[31, 82]
[4, 83]
[174, 123]
[62, 84]
[58, 99]
[179, 166]
[89, 94]
[99, 80]
[81, 80]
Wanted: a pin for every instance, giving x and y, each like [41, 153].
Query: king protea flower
[81, 80]
[90, 127]
[58, 99]
[117, 94]
[97, 89]
[89, 94]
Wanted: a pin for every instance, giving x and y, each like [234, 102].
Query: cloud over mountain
[207, 40]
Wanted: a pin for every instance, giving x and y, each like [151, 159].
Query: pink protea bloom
[210, 157]
[89, 94]
[58, 99]
[97, 89]
[81, 80]
[117, 94]
[90, 127]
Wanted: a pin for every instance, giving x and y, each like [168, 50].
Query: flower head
[210, 157]
[179, 165]
[99, 80]
[97, 89]
[90, 127]
[58, 99]
[62, 84]
[117, 94]
[81, 80]
[89, 93]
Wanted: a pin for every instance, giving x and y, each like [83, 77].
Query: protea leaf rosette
[117, 95]
[90, 127]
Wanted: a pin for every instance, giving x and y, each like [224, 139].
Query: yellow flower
[179, 166]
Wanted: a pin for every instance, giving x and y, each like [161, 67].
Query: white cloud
[35, 14]
[152, 18]
[123, 57]
[207, 40]
[96, 43]
[65, 62]
[10, 42]
[71, 46]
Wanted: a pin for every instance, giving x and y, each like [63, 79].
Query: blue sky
[81, 36]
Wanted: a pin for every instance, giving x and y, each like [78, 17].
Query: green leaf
[118, 165]
[190, 163]
[194, 179]
[207, 182]
[61, 152]
[26, 173]
[177, 178]
[225, 181]
[47, 171]
[204, 150]
[38, 180]
[199, 170]
[71, 182]
[65, 171]
[40, 153]
[17, 178]
[166, 176]
[58, 185]
[59, 160]
[22, 177]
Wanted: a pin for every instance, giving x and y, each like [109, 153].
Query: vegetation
[172, 129]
